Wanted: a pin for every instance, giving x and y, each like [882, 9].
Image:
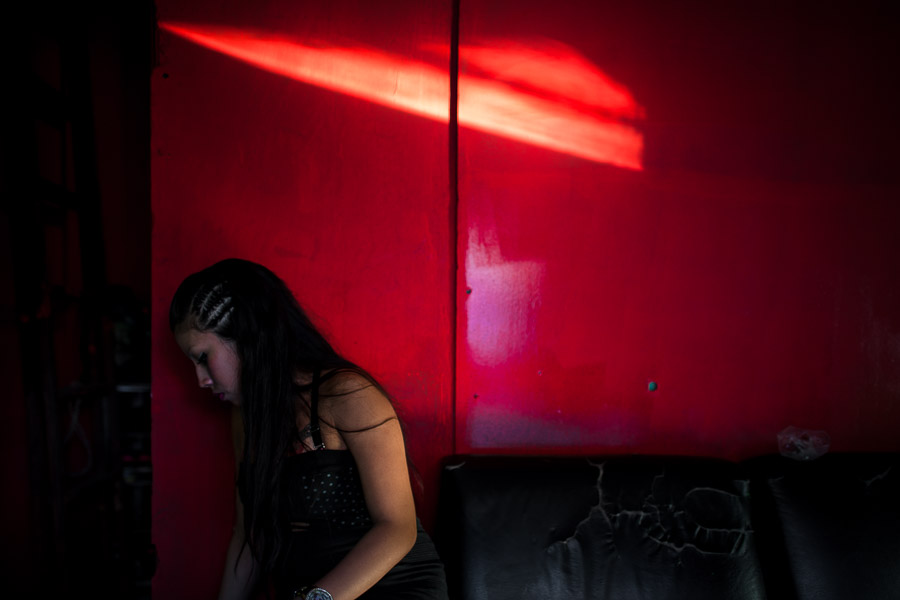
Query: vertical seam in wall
[454, 211]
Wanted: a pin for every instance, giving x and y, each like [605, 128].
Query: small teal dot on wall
[652, 386]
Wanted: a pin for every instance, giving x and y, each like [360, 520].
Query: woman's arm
[380, 457]
[238, 583]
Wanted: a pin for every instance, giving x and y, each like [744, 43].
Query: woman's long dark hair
[248, 304]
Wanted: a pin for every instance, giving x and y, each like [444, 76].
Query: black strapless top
[325, 514]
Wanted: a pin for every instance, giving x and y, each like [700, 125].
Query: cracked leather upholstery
[623, 528]
[660, 528]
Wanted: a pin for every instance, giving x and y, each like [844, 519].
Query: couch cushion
[839, 523]
[621, 528]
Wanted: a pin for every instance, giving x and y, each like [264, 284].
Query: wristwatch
[312, 593]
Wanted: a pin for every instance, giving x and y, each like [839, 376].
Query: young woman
[323, 503]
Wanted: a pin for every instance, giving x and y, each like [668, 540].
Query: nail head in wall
[652, 386]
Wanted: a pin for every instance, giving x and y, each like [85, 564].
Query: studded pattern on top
[333, 495]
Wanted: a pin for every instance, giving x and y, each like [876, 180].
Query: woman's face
[215, 361]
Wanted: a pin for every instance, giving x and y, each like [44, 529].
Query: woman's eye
[201, 360]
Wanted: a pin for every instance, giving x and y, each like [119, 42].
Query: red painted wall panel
[346, 199]
[746, 265]
[698, 196]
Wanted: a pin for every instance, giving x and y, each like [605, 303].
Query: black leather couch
[667, 528]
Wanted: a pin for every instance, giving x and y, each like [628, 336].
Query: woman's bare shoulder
[354, 402]
[344, 382]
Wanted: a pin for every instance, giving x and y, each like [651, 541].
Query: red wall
[692, 196]
[748, 268]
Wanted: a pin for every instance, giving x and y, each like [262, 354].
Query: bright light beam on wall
[552, 98]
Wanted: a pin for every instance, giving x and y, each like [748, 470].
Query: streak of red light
[553, 99]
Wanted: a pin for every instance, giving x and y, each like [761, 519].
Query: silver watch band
[312, 593]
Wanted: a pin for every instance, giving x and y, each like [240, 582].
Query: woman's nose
[203, 378]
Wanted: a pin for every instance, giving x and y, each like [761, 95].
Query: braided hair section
[212, 308]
